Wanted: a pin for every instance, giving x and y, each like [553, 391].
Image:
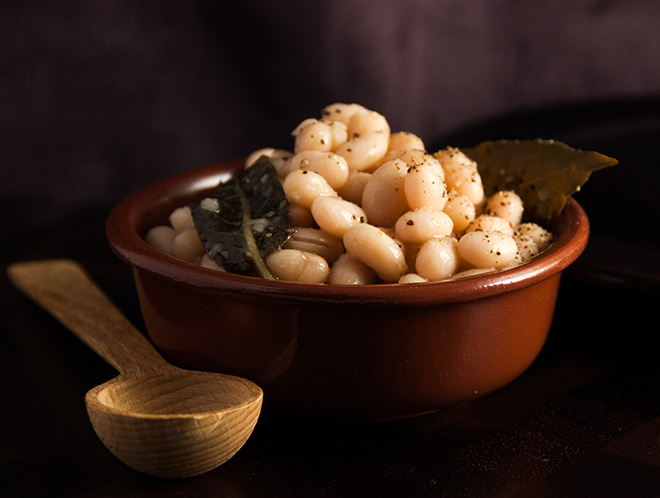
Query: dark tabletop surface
[584, 420]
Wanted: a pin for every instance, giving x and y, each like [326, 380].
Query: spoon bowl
[156, 418]
[142, 420]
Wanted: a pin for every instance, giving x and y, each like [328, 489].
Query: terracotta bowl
[355, 352]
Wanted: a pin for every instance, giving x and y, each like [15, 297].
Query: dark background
[98, 98]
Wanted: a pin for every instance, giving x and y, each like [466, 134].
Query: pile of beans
[371, 206]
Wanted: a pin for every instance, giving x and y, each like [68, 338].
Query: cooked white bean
[384, 197]
[298, 266]
[490, 223]
[364, 151]
[300, 216]
[340, 112]
[161, 237]
[303, 186]
[278, 157]
[335, 215]
[527, 248]
[365, 121]
[348, 270]
[461, 174]
[377, 250]
[419, 225]
[313, 135]
[181, 218]
[208, 262]
[296, 131]
[339, 132]
[353, 188]
[438, 258]
[187, 246]
[487, 249]
[460, 209]
[405, 140]
[415, 157]
[541, 236]
[316, 241]
[505, 204]
[412, 278]
[329, 165]
[389, 231]
[424, 187]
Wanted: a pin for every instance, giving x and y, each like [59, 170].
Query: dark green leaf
[544, 173]
[251, 220]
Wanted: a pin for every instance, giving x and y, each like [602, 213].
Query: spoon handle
[64, 289]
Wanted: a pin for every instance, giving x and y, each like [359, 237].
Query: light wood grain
[156, 418]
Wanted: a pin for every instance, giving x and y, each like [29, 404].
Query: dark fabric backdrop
[99, 97]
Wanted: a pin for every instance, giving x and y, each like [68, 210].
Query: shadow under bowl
[371, 352]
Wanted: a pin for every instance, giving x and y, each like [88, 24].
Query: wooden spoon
[155, 417]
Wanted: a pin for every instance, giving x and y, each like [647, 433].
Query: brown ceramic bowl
[355, 352]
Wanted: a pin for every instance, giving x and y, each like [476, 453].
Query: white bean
[377, 250]
[460, 209]
[252, 158]
[353, 188]
[424, 187]
[412, 278]
[303, 186]
[181, 218]
[527, 247]
[389, 231]
[279, 158]
[364, 151]
[161, 237]
[187, 246]
[366, 121]
[313, 135]
[340, 112]
[438, 258]
[296, 131]
[329, 165]
[348, 270]
[490, 223]
[487, 249]
[339, 132]
[384, 197]
[298, 266]
[416, 157]
[335, 215]
[461, 174]
[300, 216]
[505, 204]
[541, 236]
[208, 262]
[419, 225]
[405, 140]
[316, 241]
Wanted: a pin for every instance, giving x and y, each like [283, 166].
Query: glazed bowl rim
[125, 237]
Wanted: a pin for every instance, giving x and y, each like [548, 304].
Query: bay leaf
[544, 173]
[244, 220]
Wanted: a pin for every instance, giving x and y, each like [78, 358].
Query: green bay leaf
[248, 219]
[544, 173]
